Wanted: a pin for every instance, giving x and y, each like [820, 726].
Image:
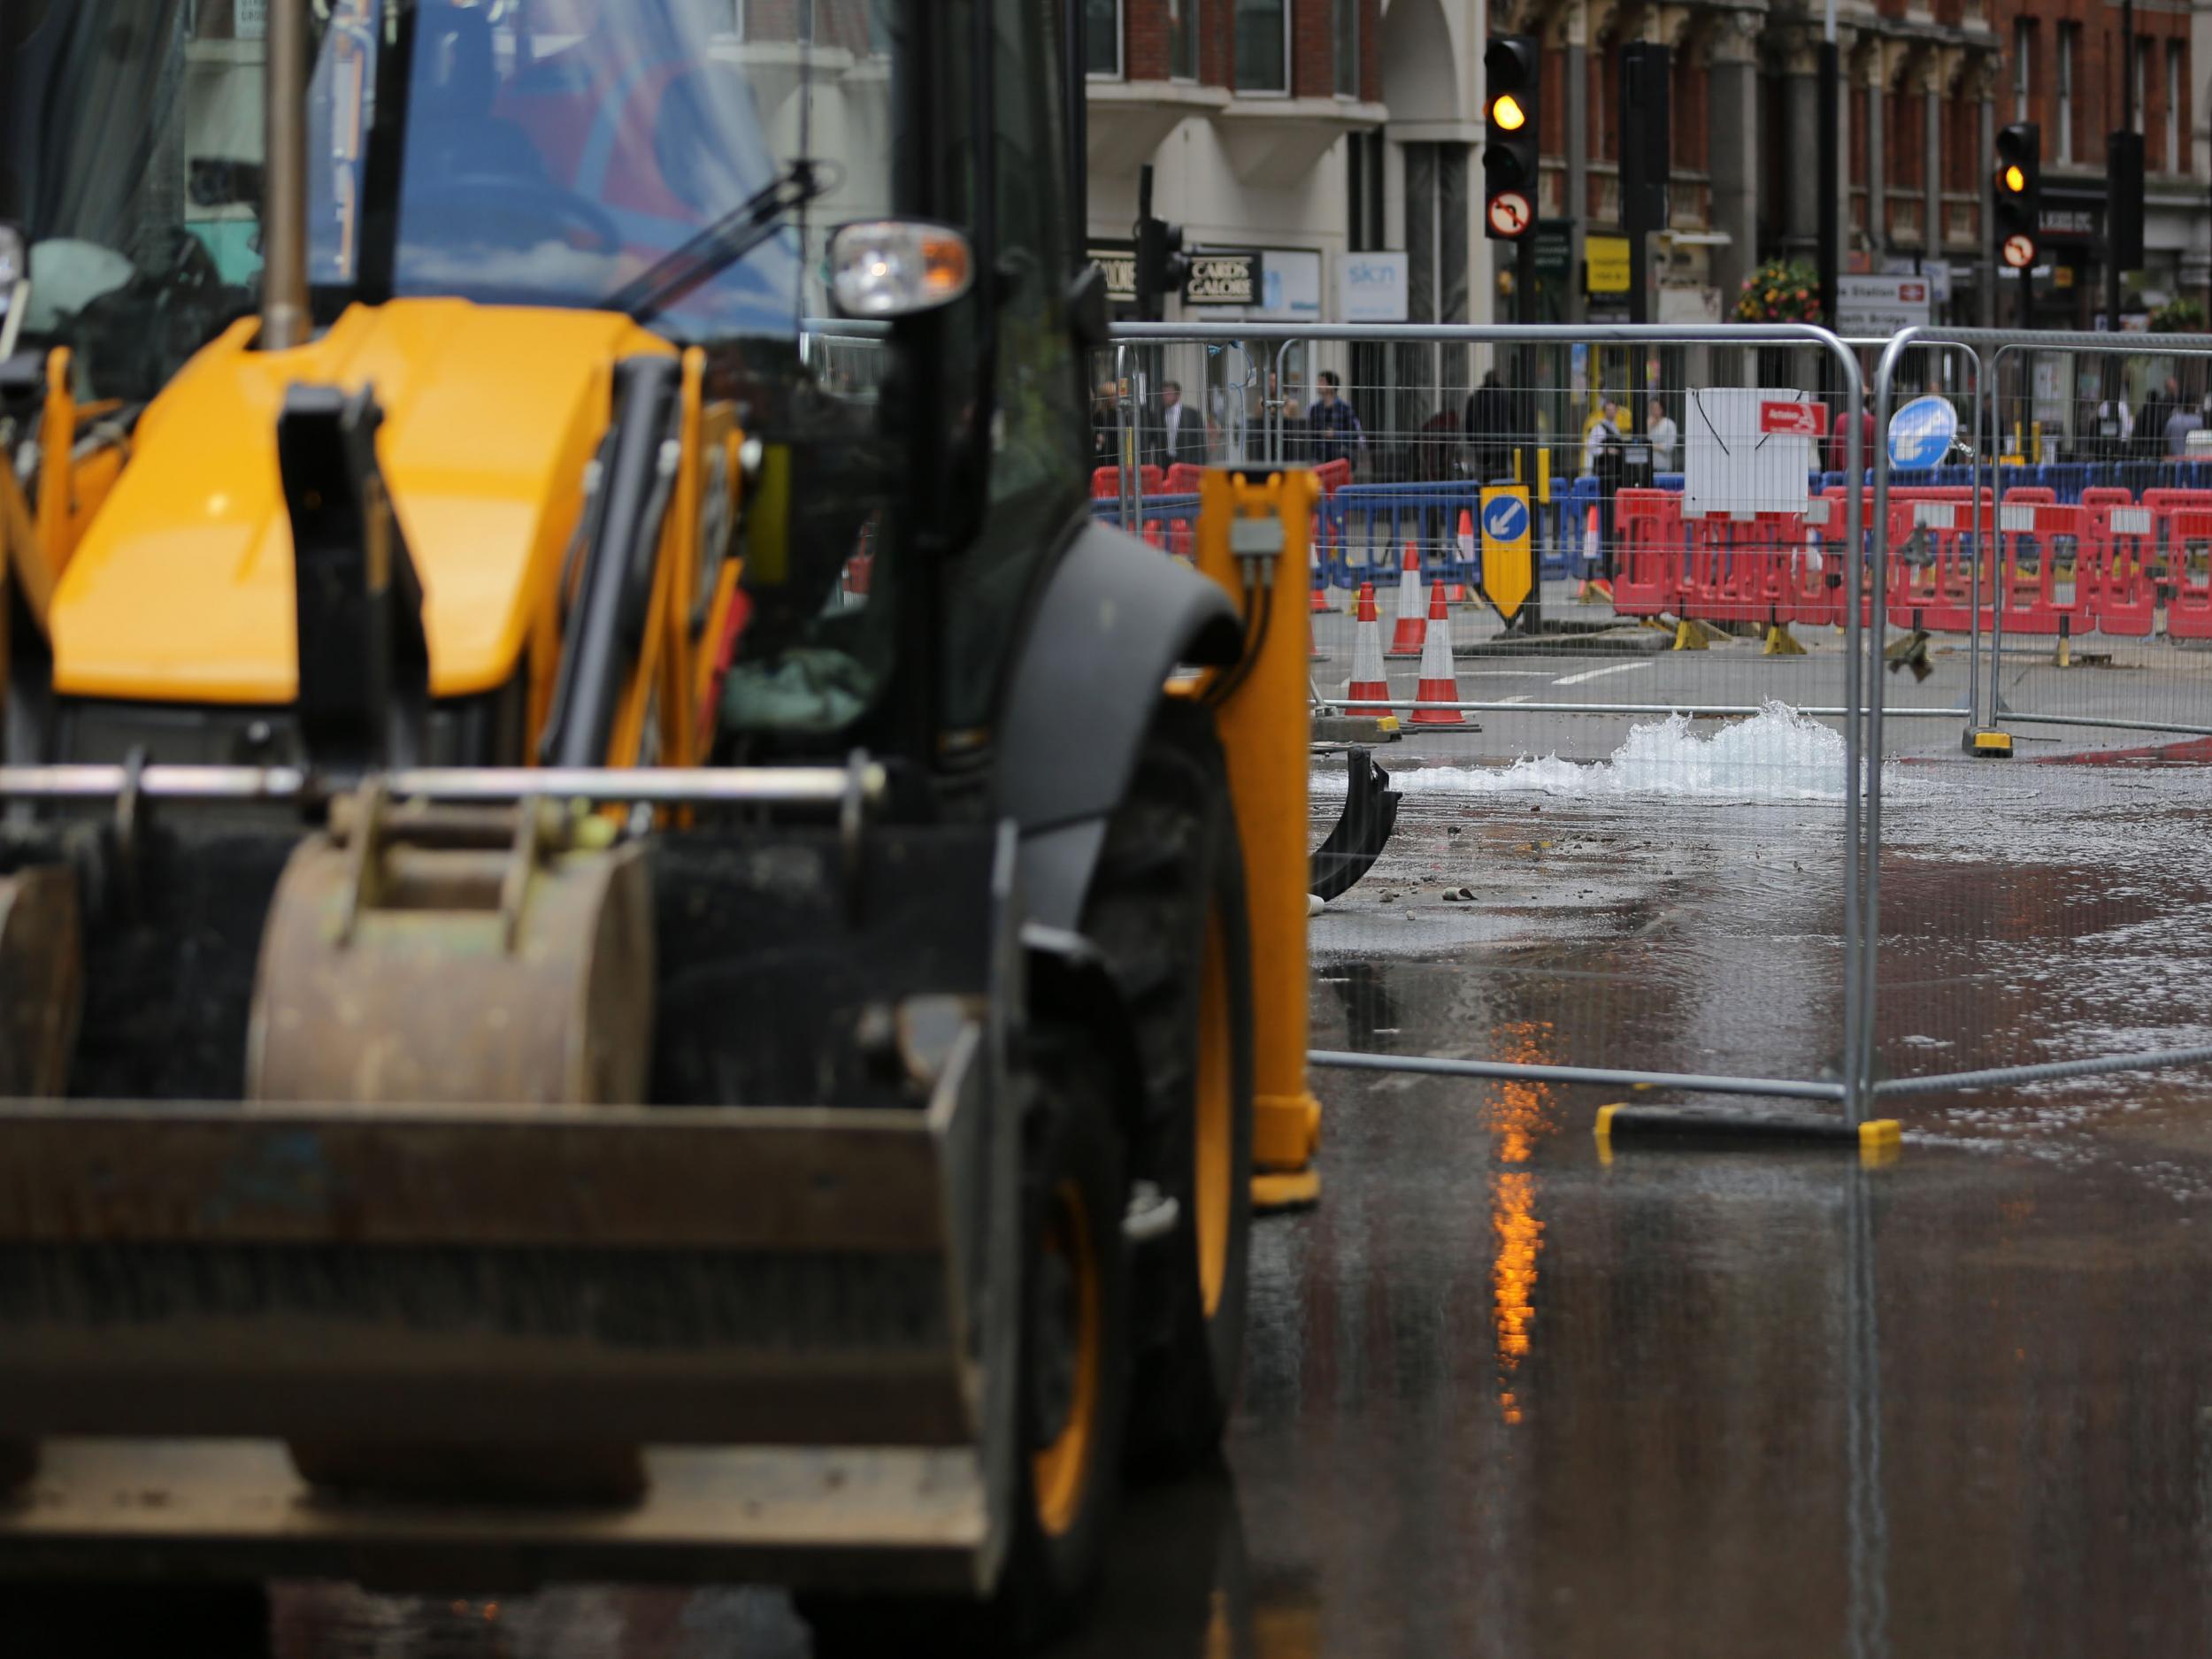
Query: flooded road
[1510, 1396]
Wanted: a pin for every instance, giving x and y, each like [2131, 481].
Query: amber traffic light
[2019, 170]
[1509, 67]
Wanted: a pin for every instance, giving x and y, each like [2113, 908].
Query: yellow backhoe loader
[628, 947]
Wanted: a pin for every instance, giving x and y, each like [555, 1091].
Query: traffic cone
[1319, 561]
[1368, 691]
[1461, 594]
[1587, 589]
[1413, 610]
[1439, 682]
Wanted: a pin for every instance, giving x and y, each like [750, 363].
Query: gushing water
[1777, 754]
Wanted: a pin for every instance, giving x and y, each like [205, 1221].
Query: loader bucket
[761, 1329]
[1371, 813]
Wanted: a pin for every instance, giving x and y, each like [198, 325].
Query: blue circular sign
[1505, 518]
[1921, 434]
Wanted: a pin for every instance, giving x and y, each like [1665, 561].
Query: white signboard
[253, 20]
[1290, 284]
[1370, 288]
[1733, 469]
[1882, 304]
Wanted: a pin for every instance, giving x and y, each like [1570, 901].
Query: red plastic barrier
[2121, 549]
[1931, 581]
[1332, 475]
[1183, 479]
[1106, 482]
[1740, 569]
[2187, 537]
[1648, 573]
[2107, 495]
[2030, 536]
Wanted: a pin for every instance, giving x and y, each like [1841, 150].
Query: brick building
[1315, 129]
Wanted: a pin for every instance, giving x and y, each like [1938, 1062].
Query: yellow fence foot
[1989, 745]
[1276, 1191]
[1688, 636]
[1285, 1135]
[1780, 642]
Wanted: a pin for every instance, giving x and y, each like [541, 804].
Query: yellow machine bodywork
[1265, 727]
[179, 588]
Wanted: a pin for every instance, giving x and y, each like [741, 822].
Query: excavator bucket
[1371, 813]
[759, 1325]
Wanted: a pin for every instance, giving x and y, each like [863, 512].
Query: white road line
[1594, 673]
[1521, 698]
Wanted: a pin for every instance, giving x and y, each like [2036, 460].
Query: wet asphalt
[1513, 1392]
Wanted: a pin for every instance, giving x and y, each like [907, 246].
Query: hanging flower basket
[2183, 316]
[1780, 291]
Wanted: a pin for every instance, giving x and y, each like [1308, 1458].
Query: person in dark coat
[1178, 431]
[1490, 430]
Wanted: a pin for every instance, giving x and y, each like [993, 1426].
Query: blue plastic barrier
[2065, 480]
[1380, 518]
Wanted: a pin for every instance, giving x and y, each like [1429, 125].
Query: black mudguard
[1371, 813]
[1116, 618]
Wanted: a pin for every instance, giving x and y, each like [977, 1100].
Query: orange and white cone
[1318, 558]
[1368, 691]
[1461, 594]
[1439, 679]
[1592, 554]
[1413, 608]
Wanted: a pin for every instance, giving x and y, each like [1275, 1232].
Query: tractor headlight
[896, 267]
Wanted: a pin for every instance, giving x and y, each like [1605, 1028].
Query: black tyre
[1073, 1390]
[1167, 907]
[189, 1621]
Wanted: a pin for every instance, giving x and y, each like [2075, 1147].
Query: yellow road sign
[1507, 568]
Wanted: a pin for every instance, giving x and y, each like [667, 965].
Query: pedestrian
[1177, 436]
[1490, 430]
[1659, 427]
[1332, 429]
[2179, 425]
[1839, 442]
[1605, 430]
[2109, 429]
[2147, 440]
[1105, 426]
[1606, 458]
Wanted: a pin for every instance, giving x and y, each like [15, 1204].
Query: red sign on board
[1798, 420]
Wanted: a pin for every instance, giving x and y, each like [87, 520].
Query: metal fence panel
[1602, 810]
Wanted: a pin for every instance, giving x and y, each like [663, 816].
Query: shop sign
[1223, 279]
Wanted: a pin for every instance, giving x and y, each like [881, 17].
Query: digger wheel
[1073, 1402]
[1167, 907]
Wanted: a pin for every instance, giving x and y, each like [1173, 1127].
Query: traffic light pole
[1531, 619]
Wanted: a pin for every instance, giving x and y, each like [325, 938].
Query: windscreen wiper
[723, 243]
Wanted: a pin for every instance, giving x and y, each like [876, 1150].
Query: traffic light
[1162, 265]
[1509, 154]
[2019, 192]
[2124, 199]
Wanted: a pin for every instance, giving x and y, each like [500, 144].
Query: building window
[2023, 66]
[1182, 40]
[2143, 50]
[1346, 45]
[2069, 39]
[1102, 38]
[2177, 160]
[1262, 45]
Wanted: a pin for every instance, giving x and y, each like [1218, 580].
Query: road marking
[1594, 673]
[1521, 698]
